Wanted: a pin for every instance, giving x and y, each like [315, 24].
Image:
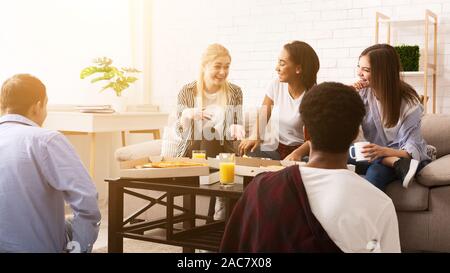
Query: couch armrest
[437, 173]
[132, 152]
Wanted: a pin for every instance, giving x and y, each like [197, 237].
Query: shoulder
[411, 107]
[45, 137]
[275, 89]
[275, 85]
[235, 89]
[189, 88]
[277, 179]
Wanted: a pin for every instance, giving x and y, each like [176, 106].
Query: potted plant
[409, 57]
[117, 79]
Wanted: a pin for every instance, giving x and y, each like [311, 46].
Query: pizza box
[136, 169]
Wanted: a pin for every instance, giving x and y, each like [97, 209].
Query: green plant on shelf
[117, 79]
[409, 57]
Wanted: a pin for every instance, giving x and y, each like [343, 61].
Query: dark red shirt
[273, 215]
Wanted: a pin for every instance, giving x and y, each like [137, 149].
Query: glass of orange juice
[226, 169]
[198, 154]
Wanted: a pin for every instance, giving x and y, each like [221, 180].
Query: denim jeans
[375, 172]
[274, 155]
[378, 174]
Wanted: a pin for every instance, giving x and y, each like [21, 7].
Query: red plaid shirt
[273, 215]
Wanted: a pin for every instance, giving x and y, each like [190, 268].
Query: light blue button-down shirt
[406, 135]
[39, 170]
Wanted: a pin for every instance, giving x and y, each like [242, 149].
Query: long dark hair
[385, 81]
[304, 55]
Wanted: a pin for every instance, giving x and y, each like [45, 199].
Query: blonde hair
[211, 53]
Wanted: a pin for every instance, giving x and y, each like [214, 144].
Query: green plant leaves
[118, 80]
[106, 76]
[409, 57]
[104, 61]
[131, 79]
[92, 70]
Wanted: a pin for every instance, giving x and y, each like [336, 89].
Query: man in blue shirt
[39, 170]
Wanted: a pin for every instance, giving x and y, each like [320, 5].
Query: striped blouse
[186, 99]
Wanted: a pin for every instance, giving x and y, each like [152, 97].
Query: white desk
[75, 123]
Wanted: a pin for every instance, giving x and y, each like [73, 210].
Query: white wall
[55, 39]
[255, 30]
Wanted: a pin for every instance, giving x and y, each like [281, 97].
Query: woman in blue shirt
[392, 122]
[393, 118]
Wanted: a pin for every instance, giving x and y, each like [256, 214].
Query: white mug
[356, 149]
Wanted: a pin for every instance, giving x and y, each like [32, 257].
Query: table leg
[115, 217]
[169, 216]
[123, 138]
[189, 204]
[229, 206]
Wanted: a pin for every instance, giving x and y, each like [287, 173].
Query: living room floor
[129, 245]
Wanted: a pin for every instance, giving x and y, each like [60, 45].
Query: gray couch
[424, 208]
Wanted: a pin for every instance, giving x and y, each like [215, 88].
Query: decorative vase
[119, 104]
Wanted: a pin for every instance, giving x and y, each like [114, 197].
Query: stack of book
[106, 109]
[143, 108]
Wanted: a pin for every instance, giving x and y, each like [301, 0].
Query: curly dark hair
[332, 113]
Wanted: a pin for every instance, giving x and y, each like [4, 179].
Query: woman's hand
[195, 114]
[248, 145]
[373, 151]
[361, 84]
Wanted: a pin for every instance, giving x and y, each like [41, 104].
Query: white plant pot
[119, 104]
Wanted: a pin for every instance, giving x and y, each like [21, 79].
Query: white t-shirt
[285, 121]
[357, 216]
[212, 106]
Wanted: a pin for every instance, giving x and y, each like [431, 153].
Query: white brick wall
[255, 31]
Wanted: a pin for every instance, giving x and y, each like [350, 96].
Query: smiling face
[364, 69]
[287, 70]
[216, 72]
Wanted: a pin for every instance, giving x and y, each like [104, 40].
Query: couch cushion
[414, 198]
[436, 131]
[138, 151]
[437, 173]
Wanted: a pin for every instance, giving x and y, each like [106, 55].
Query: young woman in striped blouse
[210, 109]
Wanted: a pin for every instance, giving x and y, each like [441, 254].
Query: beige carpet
[134, 246]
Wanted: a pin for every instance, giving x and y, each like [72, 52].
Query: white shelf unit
[430, 62]
[412, 73]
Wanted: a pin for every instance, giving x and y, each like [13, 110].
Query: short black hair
[332, 113]
[20, 92]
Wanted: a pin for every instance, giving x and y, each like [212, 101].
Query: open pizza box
[160, 167]
[251, 166]
[206, 169]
